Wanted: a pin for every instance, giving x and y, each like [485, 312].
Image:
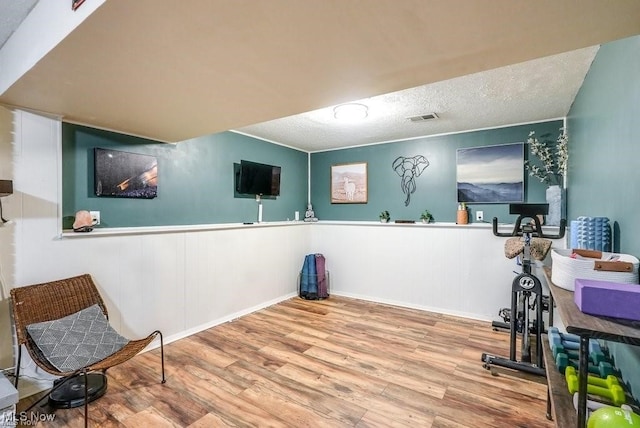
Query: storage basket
[600, 266]
[320, 290]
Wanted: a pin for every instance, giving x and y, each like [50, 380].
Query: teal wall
[195, 184]
[604, 178]
[435, 187]
[604, 128]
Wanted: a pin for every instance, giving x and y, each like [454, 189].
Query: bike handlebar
[535, 230]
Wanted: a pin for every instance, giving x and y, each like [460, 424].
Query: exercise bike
[526, 288]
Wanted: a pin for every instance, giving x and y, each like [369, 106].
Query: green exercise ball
[613, 417]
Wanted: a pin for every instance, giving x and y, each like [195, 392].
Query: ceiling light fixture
[350, 111]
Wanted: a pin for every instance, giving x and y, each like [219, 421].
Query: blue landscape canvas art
[491, 174]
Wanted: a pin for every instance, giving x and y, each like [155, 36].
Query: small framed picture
[349, 183]
[76, 4]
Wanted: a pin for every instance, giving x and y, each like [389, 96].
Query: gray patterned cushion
[77, 340]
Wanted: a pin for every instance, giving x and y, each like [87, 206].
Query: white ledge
[502, 227]
[418, 223]
[145, 230]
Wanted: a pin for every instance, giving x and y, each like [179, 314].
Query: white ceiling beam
[46, 25]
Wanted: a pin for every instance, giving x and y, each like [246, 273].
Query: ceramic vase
[462, 217]
[555, 196]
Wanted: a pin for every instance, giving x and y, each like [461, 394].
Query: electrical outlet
[479, 215]
[95, 217]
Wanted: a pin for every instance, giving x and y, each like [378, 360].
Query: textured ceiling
[171, 71]
[12, 13]
[532, 91]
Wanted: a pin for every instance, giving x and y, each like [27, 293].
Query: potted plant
[426, 216]
[385, 216]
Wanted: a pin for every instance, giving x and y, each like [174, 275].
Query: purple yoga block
[609, 299]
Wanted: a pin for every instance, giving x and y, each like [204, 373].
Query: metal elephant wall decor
[409, 168]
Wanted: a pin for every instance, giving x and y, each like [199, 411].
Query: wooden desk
[588, 326]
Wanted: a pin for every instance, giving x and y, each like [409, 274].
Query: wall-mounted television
[258, 179]
[125, 175]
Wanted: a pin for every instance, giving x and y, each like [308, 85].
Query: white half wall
[459, 270]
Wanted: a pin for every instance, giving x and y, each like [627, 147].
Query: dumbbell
[569, 341]
[595, 354]
[602, 369]
[608, 388]
[591, 404]
[572, 342]
[565, 336]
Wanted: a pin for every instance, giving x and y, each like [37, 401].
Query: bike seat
[539, 247]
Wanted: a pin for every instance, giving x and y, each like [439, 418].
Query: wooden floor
[334, 363]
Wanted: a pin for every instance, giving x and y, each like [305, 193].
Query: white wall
[459, 270]
[7, 255]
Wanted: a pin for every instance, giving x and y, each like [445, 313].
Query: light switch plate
[95, 217]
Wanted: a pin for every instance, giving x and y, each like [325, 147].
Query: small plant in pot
[385, 216]
[426, 216]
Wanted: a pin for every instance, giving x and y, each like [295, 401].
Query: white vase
[556, 200]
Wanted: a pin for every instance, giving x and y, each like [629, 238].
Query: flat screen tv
[125, 175]
[258, 179]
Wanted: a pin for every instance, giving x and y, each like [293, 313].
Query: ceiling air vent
[423, 117]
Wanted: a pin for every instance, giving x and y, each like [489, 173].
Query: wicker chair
[57, 299]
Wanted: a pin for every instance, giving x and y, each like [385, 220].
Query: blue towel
[304, 277]
[312, 283]
[313, 276]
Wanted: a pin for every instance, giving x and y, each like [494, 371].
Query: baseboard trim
[467, 315]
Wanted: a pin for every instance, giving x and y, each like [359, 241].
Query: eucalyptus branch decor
[553, 157]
